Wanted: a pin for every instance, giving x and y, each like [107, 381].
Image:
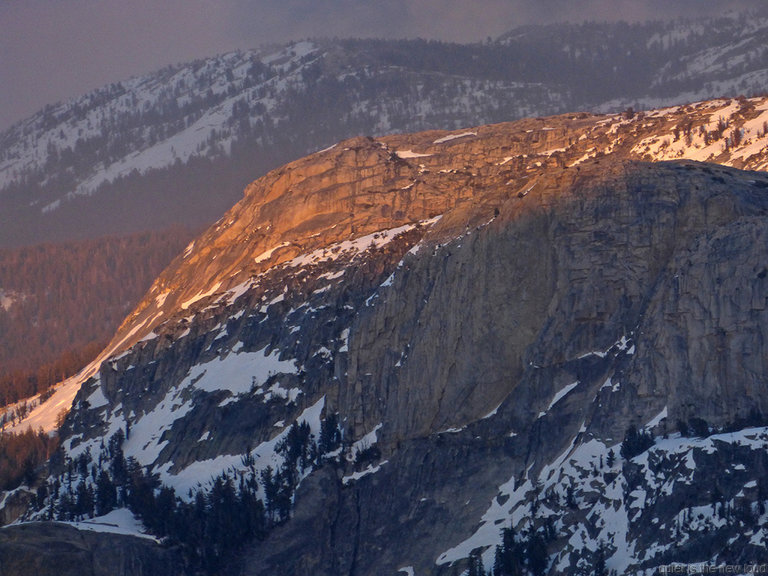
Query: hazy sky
[56, 49]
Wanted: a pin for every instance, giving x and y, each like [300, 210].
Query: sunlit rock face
[491, 309]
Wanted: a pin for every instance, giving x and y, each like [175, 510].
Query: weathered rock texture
[364, 185]
[500, 353]
[669, 257]
[50, 549]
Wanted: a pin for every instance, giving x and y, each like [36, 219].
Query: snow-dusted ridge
[205, 109]
[181, 86]
[670, 139]
[48, 414]
[273, 325]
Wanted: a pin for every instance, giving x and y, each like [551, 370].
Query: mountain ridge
[180, 144]
[478, 317]
[535, 147]
[240, 114]
[514, 156]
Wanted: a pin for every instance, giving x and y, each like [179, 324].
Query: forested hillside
[59, 303]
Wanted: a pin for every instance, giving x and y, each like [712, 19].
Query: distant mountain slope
[61, 303]
[394, 349]
[179, 145]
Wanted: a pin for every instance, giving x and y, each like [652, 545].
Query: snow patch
[267, 254]
[344, 337]
[203, 472]
[97, 398]
[405, 154]
[365, 442]
[657, 419]
[562, 394]
[454, 137]
[349, 247]
[370, 469]
[199, 296]
[238, 372]
[120, 521]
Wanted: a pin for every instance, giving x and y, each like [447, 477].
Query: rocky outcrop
[50, 549]
[487, 313]
[588, 280]
[14, 504]
[363, 185]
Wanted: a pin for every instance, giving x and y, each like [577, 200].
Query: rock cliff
[50, 549]
[571, 319]
[363, 186]
[485, 314]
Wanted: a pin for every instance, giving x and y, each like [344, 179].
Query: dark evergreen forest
[64, 301]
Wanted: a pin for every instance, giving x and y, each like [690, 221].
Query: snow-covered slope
[165, 135]
[150, 121]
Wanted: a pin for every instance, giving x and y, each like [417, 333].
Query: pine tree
[83, 506]
[536, 553]
[330, 434]
[570, 497]
[271, 489]
[508, 560]
[64, 510]
[140, 491]
[600, 568]
[106, 494]
[635, 442]
[165, 509]
[476, 567]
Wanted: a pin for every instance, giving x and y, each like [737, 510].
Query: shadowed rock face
[661, 253]
[49, 549]
[499, 352]
[668, 257]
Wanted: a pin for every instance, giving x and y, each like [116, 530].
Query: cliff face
[363, 186]
[49, 549]
[622, 295]
[666, 256]
[486, 313]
